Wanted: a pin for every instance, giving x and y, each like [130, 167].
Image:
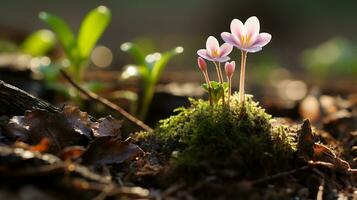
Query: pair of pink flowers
[245, 37]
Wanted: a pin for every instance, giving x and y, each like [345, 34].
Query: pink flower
[214, 52]
[202, 64]
[246, 37]
[229, 68]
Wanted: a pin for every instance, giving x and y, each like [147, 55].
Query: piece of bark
[14, 101]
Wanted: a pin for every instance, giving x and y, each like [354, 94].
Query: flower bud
[229, 68]
[202, 64]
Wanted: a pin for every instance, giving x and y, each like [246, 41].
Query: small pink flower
[229, 68]
[202, 64]
[246, 37]
[214, 52]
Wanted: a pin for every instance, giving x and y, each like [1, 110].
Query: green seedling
[78, 48]
[216, 90]
[149, 68]
[38, 43]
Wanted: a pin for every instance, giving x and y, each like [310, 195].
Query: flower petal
[212, 45]
[204, 54]
[237, 28]
[230, 39]
[222, 59]
[252, 27]
[262, 39]
[252, 49]
[225, 49]
[237, 40]
[229, 68]
[227, 37]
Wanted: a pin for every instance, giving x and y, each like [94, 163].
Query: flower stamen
[215, 53]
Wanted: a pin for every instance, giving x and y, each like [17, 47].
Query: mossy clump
[239, 136]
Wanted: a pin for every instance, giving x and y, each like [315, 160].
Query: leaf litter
[43, 153]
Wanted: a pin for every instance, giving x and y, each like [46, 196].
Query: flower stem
[229, 88]
[221, 77]
[242, 76]
[218, 70]
[205, 74]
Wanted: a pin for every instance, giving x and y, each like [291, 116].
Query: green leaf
[63, 32]
[205, 87]
[38, 43]
[161, 63]
[216, 91]
[92, 28]
[135, 52]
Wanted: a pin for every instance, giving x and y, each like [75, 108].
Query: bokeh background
[313, 46]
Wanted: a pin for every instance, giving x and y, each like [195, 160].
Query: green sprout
[38, 43]
[78, 48]
[215, 90]
[149, 68]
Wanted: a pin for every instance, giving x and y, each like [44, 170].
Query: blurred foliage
[148, 68]
[78, 49]
[335, 57]
[38, 43]
[7, 46]
[261, 70]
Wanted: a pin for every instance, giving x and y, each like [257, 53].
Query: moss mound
[237, 137]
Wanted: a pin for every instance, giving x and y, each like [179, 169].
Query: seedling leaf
[92, 27]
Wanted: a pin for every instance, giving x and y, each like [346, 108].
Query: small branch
[278, 175]
[320, 193]
[107, 103]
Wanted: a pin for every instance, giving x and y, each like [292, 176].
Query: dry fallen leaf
[16, 129]
[69, 128]
[108, 150]
[42, 146]
[56, 127]
[79, 120]
[316, 153]
[71, 153]
[107, 126]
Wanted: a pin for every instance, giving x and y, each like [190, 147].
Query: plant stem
[220, 76]
[147, 98]
[107, 103]
[242, 76]
[218, 70]
[229, 88]
[205, 74]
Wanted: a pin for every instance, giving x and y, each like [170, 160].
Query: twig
[278, 175]
[107, 103]
[320, 193]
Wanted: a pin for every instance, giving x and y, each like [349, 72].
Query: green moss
[237, 136]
